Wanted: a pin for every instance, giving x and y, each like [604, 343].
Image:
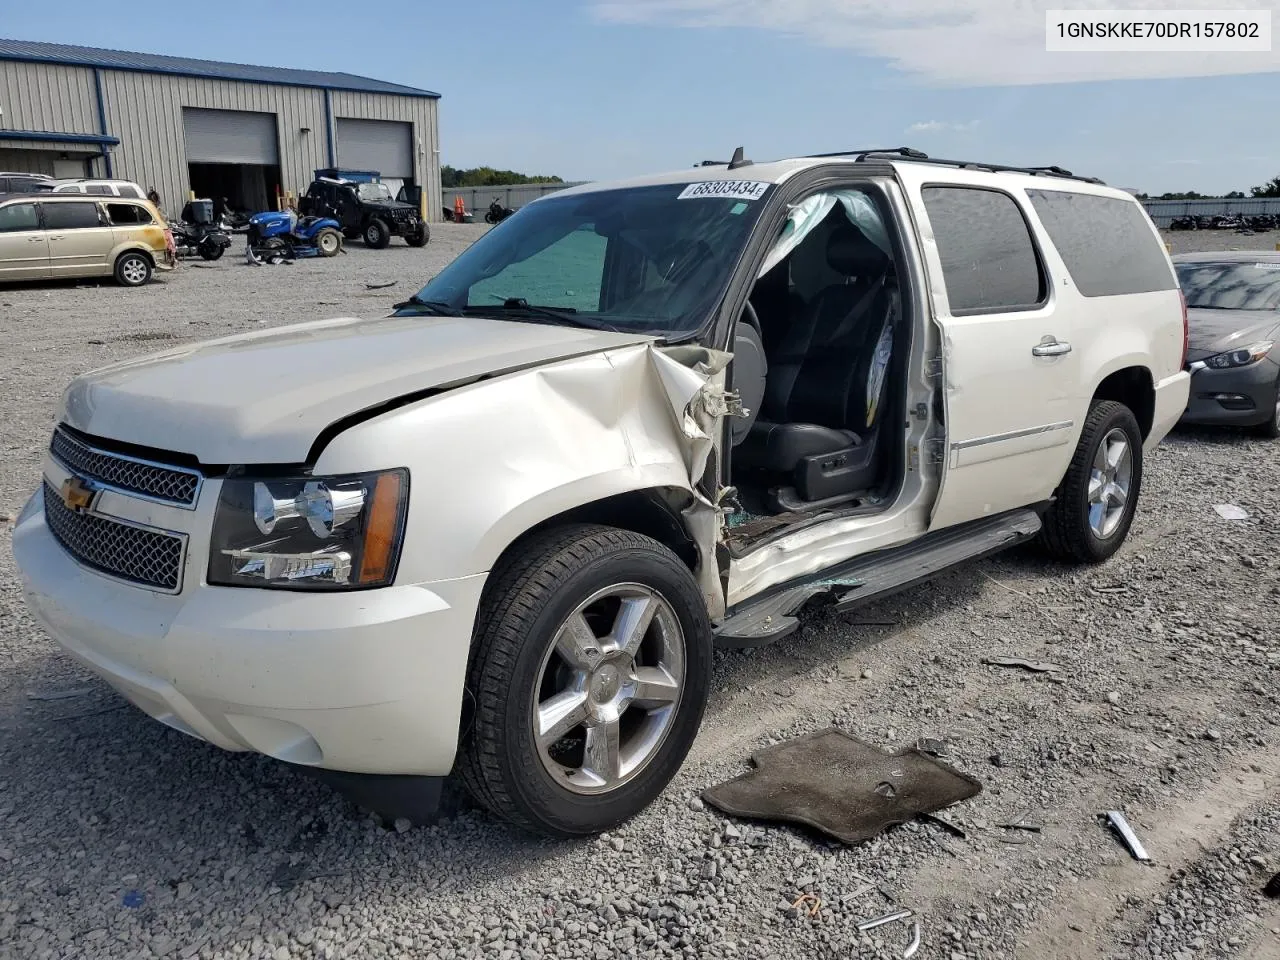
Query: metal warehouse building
[220, 129]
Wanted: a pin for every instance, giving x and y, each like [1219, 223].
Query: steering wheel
[750, 370]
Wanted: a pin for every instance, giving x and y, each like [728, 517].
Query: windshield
[373, 191]
[642, 259]
[1241, 285]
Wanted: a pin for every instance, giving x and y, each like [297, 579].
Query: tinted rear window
[70, 216]
[989, 262]
[127, 213]
[1106, 243]
[125, 190]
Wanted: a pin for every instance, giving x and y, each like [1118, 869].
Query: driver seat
[816, 436]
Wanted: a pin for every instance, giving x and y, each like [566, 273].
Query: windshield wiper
[438, 307]
[565, 315]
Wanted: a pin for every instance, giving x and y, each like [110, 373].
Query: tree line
[488, 177]
[1269, 189]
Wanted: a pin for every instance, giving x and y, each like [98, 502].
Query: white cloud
[951, 42]
[941, 126]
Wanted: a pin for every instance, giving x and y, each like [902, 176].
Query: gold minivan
[47, 236]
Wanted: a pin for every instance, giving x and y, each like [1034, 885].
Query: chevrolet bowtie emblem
[76, 494]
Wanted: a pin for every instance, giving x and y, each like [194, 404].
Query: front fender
[491, 460]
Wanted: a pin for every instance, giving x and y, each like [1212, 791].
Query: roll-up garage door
[382, 145]
[230, 136]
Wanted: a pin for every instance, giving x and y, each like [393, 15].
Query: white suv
[499, 532]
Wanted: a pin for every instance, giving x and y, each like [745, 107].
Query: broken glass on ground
[842, 786]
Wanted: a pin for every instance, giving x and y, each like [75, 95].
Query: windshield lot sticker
[738, 207]
[721, 189]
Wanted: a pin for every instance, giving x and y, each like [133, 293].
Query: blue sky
[592, 89]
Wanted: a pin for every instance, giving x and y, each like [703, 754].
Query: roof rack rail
[916, 156]
[911, 152]
[1053, 171]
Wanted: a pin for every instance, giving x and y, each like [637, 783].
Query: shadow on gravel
[133, 805]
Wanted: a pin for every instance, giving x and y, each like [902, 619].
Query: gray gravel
[122, 838]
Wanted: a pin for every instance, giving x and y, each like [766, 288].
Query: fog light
[321, 566]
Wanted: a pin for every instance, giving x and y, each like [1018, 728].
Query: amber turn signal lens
[380, 535]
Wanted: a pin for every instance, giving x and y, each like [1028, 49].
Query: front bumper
[365, 682]
[1243, 396]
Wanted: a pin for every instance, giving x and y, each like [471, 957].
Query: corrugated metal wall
[1162, 211]
[477, 199]
[47, 97]
[144, 111]
[419, 111]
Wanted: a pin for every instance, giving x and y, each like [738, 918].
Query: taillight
[1186, 329]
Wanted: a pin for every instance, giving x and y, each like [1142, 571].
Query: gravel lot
[122, 838]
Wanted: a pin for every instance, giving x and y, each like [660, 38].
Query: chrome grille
[128, 474]
[115, 548]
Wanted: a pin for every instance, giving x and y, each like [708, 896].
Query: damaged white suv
[499, 532]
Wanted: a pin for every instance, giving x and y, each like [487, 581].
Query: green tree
[1269, 189]
[488, 177]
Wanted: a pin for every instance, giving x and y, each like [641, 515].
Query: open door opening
[820, 361]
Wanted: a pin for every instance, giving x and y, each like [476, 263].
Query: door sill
[873, 576]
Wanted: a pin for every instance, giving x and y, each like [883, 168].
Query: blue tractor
[286, 236]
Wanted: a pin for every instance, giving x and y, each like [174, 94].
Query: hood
[264, 397]
[1213, 331]
[388, 205]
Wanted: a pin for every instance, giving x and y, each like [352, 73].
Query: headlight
[309, 533]
[1241, 357]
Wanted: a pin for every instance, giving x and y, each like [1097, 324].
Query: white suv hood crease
[264, 397]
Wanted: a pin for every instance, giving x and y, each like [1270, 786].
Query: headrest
[850, 252]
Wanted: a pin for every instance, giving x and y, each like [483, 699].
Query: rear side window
[99, 189]
[70, 216]
[126, 190]
[127, 214]
[1106, 243]
[18, 216]
[989, 262]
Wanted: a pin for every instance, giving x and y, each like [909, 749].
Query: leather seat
[815, 430]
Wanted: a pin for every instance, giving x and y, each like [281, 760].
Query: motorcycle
[273, 237]
[497, 212]
[197, 233]
[1184, 223]
[207, 240]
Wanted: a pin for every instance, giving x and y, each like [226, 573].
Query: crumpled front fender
[491, 460]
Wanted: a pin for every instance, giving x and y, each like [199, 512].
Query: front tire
[419, 238]
[377, 235]
[1270, 430]
[132, 270]
[590, 670]
[1099, 494]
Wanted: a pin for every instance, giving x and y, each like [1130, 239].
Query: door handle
[35, 239]
[1050, 346]
[58, 238]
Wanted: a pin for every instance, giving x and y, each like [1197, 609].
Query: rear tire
[132, 269]
[377, 235]
[329, 242]
[573, 588]
[211, 251]
[1089, 521]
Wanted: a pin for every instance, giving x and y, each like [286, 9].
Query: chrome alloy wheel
[1110, 479]
[134, 271]
[608, 688]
